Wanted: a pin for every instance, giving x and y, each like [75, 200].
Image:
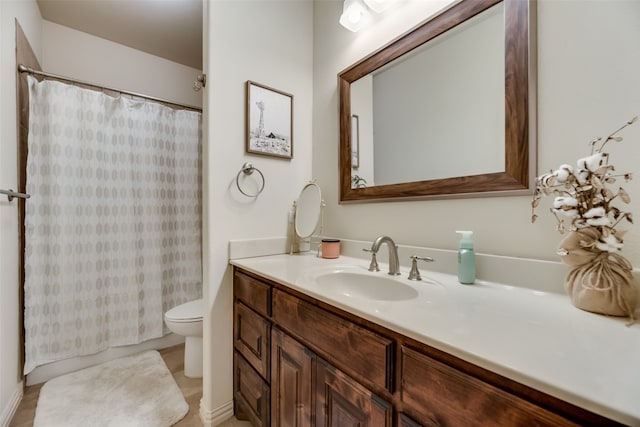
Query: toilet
[186, 320]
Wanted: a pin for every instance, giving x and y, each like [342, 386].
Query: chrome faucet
[414, 274]
[374, 262]
[394, 263]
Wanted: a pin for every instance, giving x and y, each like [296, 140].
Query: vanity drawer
[252, 292]
[251, 393]
[443, 396]
[345, 344]
[252, 338]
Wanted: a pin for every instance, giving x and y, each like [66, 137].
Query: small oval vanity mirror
[308, 210]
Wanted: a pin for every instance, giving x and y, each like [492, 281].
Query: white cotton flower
[564, 201]
[563, 173]
[597, 217]
[565, 205]
[592, 163]
[582, 175]
[596, 222]
[609, 244]
[595, 212]
[547, 180]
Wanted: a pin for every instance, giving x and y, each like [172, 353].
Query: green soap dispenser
[466, 259]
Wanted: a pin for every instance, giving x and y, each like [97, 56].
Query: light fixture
[379, 5]
[354, 13]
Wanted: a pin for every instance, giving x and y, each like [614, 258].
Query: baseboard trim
[12, 406]
[214, 417]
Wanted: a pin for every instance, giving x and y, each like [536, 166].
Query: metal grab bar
[11, 194]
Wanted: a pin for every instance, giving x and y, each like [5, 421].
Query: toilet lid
[186, 312]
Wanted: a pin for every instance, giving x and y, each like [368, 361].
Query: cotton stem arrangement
[585, 196]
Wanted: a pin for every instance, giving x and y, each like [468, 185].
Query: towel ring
[248, 169]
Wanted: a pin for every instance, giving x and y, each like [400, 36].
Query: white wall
[269, 42]
[588, 79]
[79, 55]
[28, 15]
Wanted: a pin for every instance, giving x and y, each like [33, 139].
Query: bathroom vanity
[302, 360]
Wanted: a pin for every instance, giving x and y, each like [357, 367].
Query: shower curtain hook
[200, 82]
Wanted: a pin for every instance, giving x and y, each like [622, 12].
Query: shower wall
[85, 57]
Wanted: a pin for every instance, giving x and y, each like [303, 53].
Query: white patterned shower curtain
[113, 225]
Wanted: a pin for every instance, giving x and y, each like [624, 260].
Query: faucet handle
[414, 274]
[374, 262]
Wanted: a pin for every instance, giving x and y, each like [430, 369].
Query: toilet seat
[186, 313]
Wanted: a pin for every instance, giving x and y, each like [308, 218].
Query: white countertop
[536, 338]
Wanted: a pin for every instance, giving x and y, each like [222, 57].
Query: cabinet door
[342, 402]
[252, 338]
[291, 382]
[251, 393]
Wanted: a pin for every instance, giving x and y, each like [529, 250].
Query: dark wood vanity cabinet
[444, 396]
[252, 354]
[341, 401]
[356, 350]
[404, 421]
[299, 362]
[292, 385]
[279, 381]
[252, 393]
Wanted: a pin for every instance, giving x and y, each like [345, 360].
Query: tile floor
[174, 358]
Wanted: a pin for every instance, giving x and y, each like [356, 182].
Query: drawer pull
[258, 350]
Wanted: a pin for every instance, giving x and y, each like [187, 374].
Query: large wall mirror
[446, 110]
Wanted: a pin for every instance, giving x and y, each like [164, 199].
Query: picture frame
[355, 141]
[269, 121]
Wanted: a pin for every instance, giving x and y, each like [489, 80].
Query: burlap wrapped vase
[599, 281]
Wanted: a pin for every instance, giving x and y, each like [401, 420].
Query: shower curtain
[113, 225]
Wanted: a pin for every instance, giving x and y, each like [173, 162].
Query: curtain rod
[25, 69]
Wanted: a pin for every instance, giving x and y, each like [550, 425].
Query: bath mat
[135, 391]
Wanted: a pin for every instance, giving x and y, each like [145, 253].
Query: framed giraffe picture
[269, 121]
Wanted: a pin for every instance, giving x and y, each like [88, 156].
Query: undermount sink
[366, 286]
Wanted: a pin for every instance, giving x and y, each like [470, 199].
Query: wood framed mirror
[515, 110]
